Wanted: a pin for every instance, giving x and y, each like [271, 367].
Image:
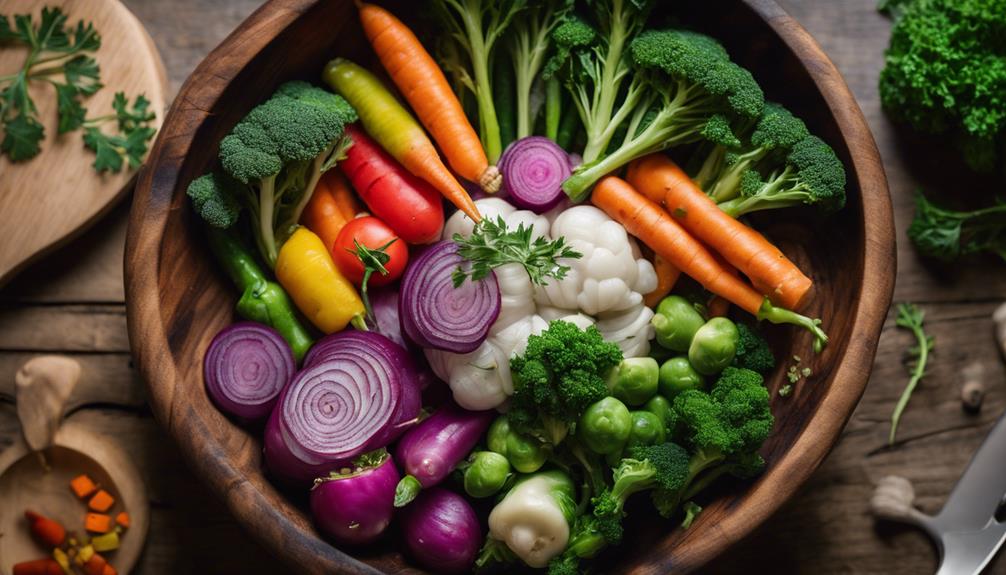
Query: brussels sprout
[647, 429]
[714, 346]
[677, 375]
[675, 322]
[486, 473]
[605, 426]
[662, 408]
[525, 454]
[634, 381]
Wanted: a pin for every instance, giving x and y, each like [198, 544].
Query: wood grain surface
[824, 529]
[45, 201]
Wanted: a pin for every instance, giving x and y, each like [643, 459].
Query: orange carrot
[101, 502]
[658, 230]
[98, 565]
[38, 567]
[46, 531]
[645, 220]
[325, 214]
[388, 122]
[97, 522]
[747, 250]
[82, 486]
[122, 519]
[667, 276]
[423, 84]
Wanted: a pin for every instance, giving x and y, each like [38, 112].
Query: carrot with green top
[423, 85]
[744, 248]
[388, 122]
[653, 226]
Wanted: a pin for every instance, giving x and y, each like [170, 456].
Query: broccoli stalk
[585, 542]
[279, 151]
[528, 44]
[664, 466]
[474, 27]
[812, 175]
[732, 155]
[680, 81]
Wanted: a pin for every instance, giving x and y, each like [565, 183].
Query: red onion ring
[245, 369]
[533, 170]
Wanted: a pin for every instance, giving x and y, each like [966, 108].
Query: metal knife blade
[981, 488]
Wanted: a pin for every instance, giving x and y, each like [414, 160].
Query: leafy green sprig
[948, 234]
[59, 54]
[492, 245]
[911, 318]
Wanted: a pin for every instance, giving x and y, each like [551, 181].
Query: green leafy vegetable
[945, 73]
[911, 318]
[491, 245]
[58, 54]
[947, 234]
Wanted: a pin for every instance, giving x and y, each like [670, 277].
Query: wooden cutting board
[46, 201]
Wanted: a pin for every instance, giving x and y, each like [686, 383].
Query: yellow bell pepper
[306, 270]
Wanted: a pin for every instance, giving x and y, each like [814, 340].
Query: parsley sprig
[60, 55]
[491, 245]
[911, 318]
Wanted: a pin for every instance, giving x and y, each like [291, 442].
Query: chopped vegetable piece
[82, 486]
[45, 566]
[107, 542]
[63, 560]
[98, 565]
[46, 531]
[122, 519]
[97, 523]
[101, 502]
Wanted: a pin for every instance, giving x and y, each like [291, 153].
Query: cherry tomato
[373, 234]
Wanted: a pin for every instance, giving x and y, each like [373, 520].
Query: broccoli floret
[945, 73]
[724, 162]
[812, 175]
[279, 151]
[692, 511]
[663, 466]
[753, 352]
[725, 428]
[681, 81]
[561, 372]
[213, 197]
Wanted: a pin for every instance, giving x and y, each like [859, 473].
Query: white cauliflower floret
[604, 288]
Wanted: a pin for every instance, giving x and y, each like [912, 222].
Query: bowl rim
[151, 208]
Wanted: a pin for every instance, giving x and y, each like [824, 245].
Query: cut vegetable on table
[583, 323]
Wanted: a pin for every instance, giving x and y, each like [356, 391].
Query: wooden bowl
[178, 299]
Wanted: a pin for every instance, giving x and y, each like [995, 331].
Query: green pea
[526, 454]
[714, 346]
[677, 375]
[647, 429]
[605, 426]
[634, 381]
[675, 322]
[498, 433]
[661, 407]
[486, 474]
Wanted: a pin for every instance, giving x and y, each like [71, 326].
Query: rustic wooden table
[72, 303]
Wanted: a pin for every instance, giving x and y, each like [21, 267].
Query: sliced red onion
[283, 464]
[438, 315]
[346, 398]
[245, 369]
[533, 170]
[384, 304]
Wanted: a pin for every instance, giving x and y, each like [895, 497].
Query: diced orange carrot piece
[102, 501]
[98, 522]
[82, 486]
[123, 519]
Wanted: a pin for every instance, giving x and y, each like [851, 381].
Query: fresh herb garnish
[947, 234]
[59, 54]
[911, 318]
[491, 245]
